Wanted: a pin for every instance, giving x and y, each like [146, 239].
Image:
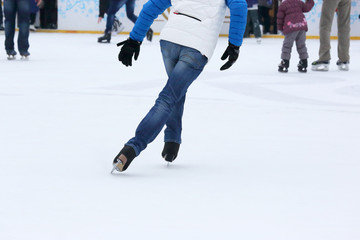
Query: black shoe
[149, 35]
[343, 66]
[170, 151]
[1, 27]
[302, 65]
[51, 26]
[106, 38]
[320, 65]
[283, 66]
[129, 153]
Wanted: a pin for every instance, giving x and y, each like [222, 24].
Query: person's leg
[287, 45]
[260, 15]
[255, 20]
[10, 16]
[114, 6]
[326, 19]
[247, 28]
[190, 64]
[173, 128]
[301, 45]
[266, 17]
[130, 8]
[23, 23]
[343, 23]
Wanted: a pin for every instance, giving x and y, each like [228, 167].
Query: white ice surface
[265, 155]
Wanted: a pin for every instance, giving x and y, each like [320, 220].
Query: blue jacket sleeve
[150, 11]
[238, 15]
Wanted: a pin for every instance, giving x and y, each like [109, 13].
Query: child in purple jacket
[292, 22]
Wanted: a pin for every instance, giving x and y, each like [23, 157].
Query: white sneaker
[32, 28]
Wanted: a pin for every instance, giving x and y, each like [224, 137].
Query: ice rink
[265, 155]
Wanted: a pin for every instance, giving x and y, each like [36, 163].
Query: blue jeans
[22, 8]
[183, 65]
[114, 6]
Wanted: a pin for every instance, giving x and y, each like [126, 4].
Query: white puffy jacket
[195, 24]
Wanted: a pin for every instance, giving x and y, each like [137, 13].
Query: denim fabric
[22, 9]
[183, 65]
[1, 13]
[114, 6]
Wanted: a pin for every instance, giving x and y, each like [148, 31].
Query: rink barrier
[156, 33]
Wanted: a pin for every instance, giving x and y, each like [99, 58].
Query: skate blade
[11, 57]
[24, 58]
[117, 166]
[343, 67]
[321, 67]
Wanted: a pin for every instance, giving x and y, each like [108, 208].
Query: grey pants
[343, 22]
[299, 37]
[253, 17]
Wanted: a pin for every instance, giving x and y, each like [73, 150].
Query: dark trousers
[264, 18]
[252, 19]
[48, 14]
[114, 6]
[22, 9]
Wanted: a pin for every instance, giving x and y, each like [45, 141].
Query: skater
[187, 43]
[114, 6]
[103, 7]
[253, 19]
[291, 21]
[343, 8]
[22, 9]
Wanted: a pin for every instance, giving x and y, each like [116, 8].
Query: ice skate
[302, 65]
[25, 55]
[123, 159]
[32, 28]
[320, 66]
[11, 54]
[106, 38]
[283, 66]
[258, 40]
[343, 66]
[117, 27]
[170, 151]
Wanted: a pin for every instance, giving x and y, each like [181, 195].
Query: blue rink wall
[82, 15]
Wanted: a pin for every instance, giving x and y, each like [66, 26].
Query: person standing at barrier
[188, 40]
[342, 8]
[114, 6]
[21, 9]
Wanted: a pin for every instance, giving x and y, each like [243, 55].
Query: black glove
[149, 35]
[127, 51]
[232, 52]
